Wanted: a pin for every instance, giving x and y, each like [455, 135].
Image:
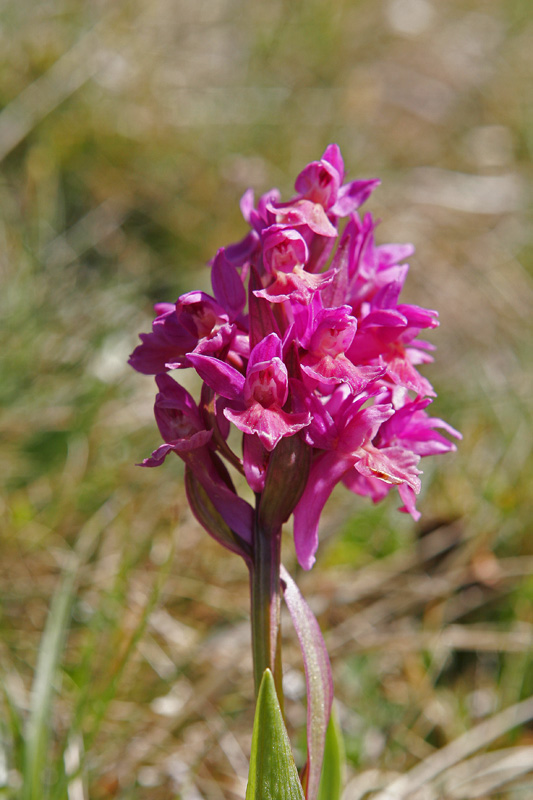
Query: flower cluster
[306, 348]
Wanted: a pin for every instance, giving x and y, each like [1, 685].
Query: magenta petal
[299, 286]
[176, 413]
[384, 317]
[227, 285]
[157, 457]
[200, 313]
[241, 252]
[283, 249]
[353, 195]
[419, 317]
[215, 342]
[168, 342]
[409, 501]
[394, 465]
[389, 254]
[270, 424]
[267, 384]
[179, 446]
[318, 680]
[247, 204]
[255, 462]
[340, 369]
[402, 372]
[332, 154]
[303, 212]
[192, 442]
[325, 473]
[366, 487]
[362, 427]
[265, 350]
[222, 378]
[319, 182]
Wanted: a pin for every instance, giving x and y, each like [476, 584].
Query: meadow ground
[128, 133]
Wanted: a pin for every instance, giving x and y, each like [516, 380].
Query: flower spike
[305, 348]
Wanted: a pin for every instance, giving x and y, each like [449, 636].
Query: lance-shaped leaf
[318, 680]
[273, 774]
[212, 520]
[332, 778]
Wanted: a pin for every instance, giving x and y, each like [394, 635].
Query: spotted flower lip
[306, 348]
[326, 361]
[283, 249]
[200, 314]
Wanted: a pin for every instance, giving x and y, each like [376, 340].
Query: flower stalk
[265, 595]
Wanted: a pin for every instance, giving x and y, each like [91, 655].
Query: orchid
[307, 351]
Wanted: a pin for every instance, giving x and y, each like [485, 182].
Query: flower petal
[227, 285]
[303, 212]
[325, 473]
[352, 195]
[222, 378]
[270, 424]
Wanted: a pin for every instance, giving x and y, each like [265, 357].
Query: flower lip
[333, 337]
[283, 250]
[267, 383]
[200, 314]
[182, 425]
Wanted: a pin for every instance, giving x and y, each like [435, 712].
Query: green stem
[265, 593]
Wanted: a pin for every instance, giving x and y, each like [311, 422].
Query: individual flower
[263, 392]
[326, 361]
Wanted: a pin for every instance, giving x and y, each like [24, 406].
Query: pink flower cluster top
[304, 339]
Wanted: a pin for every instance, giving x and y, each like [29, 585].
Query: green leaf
[331, 780]
[273, 774]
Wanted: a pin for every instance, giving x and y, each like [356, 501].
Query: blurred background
[128, 133]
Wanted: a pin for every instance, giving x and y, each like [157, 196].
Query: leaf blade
[318, 680]
[273, 774]
[332, 777]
